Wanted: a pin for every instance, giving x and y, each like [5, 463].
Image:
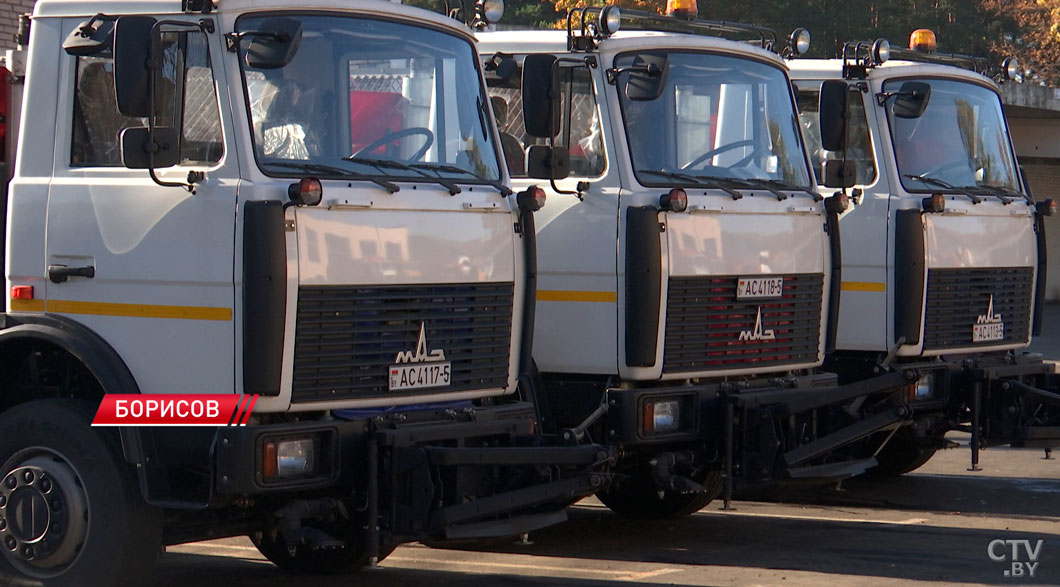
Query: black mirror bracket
[651, 69]
[154, 63]
[232, 39]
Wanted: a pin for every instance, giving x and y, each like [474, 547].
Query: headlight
[289, 458]
[492, 10]
[924, 388]
[610, 20]
[662, 416]
[799, 41]
[1011, 67]
[881, 51]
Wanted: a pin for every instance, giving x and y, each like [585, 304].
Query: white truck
[685, 256]
[302, 204]
[943, 265]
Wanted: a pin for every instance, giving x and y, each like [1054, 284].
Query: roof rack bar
[584, 36]
[852, 55]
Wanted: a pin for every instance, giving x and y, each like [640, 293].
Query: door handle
[60, 273]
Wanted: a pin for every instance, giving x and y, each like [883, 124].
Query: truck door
[149, 268]
[576, 329]
[863, 300]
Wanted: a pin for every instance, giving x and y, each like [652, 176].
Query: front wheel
[70, 510]
[902, 454]
[637, 496]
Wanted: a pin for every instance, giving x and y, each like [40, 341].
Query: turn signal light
[934, 203]
[307, 192]
[532, 198]
[675, 201]
[922, 40]
[838, 203]
[25, 292]
[1046, 207]
[682, 8]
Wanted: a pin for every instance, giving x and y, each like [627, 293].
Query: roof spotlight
[881, 51]
[799, 41]
[1011, 68]
[492, 10]
[610, 20]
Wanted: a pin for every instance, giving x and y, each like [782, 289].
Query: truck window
[579, 123]
[371, 97]
[960, 141]
[717, 117]
[186, 97]
[859, 140]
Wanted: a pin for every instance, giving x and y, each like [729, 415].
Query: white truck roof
[87, 9]
[833, 69]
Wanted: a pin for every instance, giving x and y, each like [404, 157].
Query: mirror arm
[552, 181]
[613, 73]
[154, 65]
[232, 39]
[882, 97]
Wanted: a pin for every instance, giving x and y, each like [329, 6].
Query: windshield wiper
[951, 189]
[763, 184]
[787, 186]
[391, 164]
[335, 171]
[698, 181]
[1006, 195]
[437, 168]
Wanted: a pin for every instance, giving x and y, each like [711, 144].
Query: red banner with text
[175, 410]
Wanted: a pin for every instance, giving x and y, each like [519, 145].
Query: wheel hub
[43, 513]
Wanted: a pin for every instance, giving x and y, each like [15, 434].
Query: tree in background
[1028, 29]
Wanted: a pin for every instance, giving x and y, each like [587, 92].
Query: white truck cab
[304, 206]
[684, 254]
[943, 246]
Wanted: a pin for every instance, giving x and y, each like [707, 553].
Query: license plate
[419, 376]
[749, 288]
[988, 332]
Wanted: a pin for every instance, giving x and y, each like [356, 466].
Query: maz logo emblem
[421, 354]
[758, 333]
[989, 326]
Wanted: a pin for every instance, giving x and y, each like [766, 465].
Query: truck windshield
[718, 117]
[371, 98]
[960, 141]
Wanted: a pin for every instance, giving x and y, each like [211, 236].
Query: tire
[308, 561]
[639, 497]
[903, 454]
[98, 532]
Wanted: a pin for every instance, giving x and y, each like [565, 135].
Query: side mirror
[832, 111]
[912, 100]
[132, 78]
[540, 103]
[647, 77]
[839, 173]
[138, 145]
[502, 65]
[274, 44]
[544, 162]
[90, 37]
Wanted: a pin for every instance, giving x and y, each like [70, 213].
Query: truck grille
[957, 298]
[704, 321]
[346, 338]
